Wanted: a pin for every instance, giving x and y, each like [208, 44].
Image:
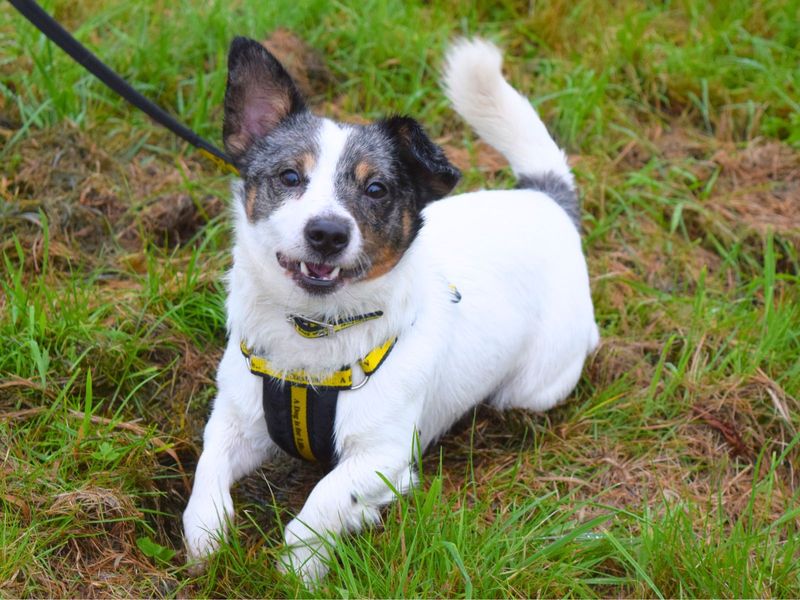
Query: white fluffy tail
[474, 83]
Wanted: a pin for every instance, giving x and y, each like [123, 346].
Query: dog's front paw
[196, 566]
[310, 564]
[306, 555]
[203, 528]
[199, 544]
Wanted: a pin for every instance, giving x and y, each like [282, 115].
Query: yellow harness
[300, 409]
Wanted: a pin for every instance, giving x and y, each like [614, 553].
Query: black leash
[82, 55]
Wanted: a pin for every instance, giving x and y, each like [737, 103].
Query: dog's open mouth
[318, 278]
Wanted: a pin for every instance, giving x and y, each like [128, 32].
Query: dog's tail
[474, 83]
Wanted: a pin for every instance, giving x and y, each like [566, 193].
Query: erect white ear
[260, 94]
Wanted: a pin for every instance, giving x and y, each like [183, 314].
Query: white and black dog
[364, 312]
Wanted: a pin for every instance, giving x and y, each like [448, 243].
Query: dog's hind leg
[531, 390]
[235, 443]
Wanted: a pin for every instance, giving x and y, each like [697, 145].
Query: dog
[366, 313]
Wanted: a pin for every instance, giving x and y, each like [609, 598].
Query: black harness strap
[300, 410]
[300, 419]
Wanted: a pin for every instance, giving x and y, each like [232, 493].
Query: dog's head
[329, 204]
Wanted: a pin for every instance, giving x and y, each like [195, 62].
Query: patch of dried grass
[304, 63]
[95, 204]
[98, 556]
[482, 157]
[619, 358]
[759, 187]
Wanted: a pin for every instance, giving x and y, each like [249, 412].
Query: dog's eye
[289, 178]
[376, 190]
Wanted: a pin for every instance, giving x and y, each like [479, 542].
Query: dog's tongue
[319, 271]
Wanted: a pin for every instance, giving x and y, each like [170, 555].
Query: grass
[673, 469]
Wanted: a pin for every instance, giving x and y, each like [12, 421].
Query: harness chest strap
[300, 409]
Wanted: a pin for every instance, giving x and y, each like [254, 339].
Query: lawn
[673, 470]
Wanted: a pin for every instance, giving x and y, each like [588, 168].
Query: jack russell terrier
[366, 314]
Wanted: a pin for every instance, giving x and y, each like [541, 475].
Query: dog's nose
[327, 235]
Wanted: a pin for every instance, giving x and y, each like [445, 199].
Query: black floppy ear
[432, 173]
[260, 94]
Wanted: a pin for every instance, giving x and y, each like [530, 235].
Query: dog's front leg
[350, 496]
[235, 442]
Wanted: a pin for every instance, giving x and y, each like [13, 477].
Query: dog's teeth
[304, 268]
[335, 273]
